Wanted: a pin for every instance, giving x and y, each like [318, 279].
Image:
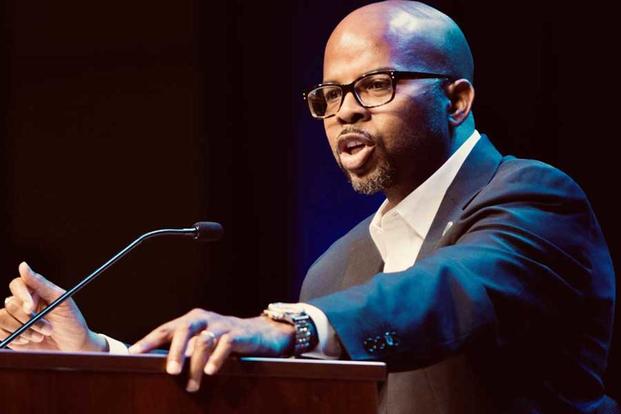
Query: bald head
[396, 145]
[420, 38]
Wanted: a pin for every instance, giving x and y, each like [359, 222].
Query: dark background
[121, 117]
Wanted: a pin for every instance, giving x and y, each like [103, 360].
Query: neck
[461, 133]
[396, 193]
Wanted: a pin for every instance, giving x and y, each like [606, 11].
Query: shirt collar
[419, 208]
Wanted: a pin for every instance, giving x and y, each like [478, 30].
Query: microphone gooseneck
[202, 231]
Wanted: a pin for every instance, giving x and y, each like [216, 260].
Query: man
[483, 281]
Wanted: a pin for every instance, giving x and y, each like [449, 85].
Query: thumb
[39, 285]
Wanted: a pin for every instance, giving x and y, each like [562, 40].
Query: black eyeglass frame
[395, 76]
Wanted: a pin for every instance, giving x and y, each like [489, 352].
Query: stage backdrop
[120, 117]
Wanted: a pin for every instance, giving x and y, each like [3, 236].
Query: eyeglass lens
[371, 90]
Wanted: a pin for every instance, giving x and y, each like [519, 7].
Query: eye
[378, 84]
[375, 85]
[332, 94]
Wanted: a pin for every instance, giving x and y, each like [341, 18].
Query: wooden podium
[42, 382]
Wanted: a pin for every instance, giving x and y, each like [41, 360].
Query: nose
[351, 110]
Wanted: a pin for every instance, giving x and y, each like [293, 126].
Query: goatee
[382, 177]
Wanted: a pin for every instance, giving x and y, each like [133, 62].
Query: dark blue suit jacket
[521, 283]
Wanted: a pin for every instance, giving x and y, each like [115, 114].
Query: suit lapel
[365, 260]
[477, 170]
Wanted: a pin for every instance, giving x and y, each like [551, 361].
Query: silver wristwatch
[305, 331]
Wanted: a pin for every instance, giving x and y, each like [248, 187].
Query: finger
[17, 341]
[226, 345]
[159, 336]
[176, 354]
[26, 346]
[204, 343]
[19, 289]
[32, 337]
[47, 290]
[10, 324]
[20, 340]
[36, 300]
[15, 309]
[190, 349]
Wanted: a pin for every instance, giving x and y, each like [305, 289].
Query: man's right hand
[63, 329]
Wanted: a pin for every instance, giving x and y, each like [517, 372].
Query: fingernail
[192, 386]
[32, 272]
[46, 330]
[173, 367]
[36, 337]
[210, 368]
[27, 307]
[6, 301]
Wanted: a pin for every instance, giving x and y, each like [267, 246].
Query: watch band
[305, 333]
[305, 330]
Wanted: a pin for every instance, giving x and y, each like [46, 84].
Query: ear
[461, 96]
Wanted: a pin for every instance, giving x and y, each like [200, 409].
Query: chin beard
[382, 177]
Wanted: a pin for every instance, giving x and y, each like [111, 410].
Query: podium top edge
[156, 364]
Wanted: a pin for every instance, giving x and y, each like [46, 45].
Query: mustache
[354, 130]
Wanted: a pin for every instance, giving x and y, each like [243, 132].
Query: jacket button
[370, 345]
[391, 338]
[380, 343]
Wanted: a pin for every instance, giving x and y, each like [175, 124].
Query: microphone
[208, 231]
[201, 231]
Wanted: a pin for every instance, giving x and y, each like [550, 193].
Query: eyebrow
[359, 76]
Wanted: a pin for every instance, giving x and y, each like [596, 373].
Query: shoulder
[532, 204]
[518, 178]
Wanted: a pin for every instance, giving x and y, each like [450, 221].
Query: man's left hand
[209, 338]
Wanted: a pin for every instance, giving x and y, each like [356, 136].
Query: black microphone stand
[189, 231]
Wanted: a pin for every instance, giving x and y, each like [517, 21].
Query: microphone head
[208, 231]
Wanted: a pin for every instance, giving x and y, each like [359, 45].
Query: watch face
[285, 311]
[285, 307]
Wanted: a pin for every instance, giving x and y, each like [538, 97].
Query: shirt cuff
[328, 346]
[115, 347]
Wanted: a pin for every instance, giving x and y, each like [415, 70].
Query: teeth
[354, 143]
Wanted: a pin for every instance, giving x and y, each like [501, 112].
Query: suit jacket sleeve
[526, 255]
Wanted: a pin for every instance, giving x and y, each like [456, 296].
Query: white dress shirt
[115, 347]
[399, 233]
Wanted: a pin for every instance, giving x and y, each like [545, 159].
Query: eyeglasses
[370, 90]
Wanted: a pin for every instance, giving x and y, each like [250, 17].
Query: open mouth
[354, 151]
[354, 146]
